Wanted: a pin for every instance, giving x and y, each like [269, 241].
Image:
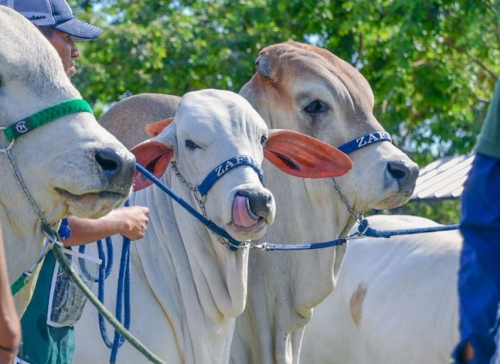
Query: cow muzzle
[252, 211]
[116, 169]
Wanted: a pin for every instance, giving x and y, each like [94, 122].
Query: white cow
[70, 166]
[308, 89]
[395, 301]
[186, 286]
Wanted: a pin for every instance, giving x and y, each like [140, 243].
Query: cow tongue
[241, 215]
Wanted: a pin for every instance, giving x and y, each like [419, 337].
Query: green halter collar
[46, 116]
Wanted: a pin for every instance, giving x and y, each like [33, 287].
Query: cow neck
[326, 219]
[174, 282]
[18, 240]
[340, 216]
[193, 242]
[221, 293]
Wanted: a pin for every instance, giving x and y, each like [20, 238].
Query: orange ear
[157, 127]
[154, 156]
[303, 156]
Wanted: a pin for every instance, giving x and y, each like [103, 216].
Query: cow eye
[263, 139]
[316, 107]
[191, 145]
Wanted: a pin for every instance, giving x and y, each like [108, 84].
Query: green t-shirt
[488, 142]
[44, 344]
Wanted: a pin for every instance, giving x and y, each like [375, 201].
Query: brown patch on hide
[356, 303]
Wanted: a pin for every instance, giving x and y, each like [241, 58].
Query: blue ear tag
[223, 168]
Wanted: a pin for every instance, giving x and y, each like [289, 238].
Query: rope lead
[66, 267]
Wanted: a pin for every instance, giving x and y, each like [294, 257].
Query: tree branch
[411, 123]
[488, 6]
[474, 58]
[360, 51]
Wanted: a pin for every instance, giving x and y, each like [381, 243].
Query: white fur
[409, 313]
[57, 155]
[186, 287]
[284, 287]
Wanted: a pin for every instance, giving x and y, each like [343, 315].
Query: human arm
[130, 222]
[10, 327]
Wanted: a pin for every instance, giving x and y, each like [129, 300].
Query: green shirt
[488, 142]
[44, 344]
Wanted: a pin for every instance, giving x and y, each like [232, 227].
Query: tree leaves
[432, 64]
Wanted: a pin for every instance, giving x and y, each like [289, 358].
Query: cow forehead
[217, 112]
[23, 45]
[295, 62]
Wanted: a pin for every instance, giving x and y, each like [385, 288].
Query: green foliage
[442, 211]
[432, 64]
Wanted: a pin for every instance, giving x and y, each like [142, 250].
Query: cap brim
[79, 30]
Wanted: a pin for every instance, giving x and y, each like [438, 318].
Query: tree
[432, 64]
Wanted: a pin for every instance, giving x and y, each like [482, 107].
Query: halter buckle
[52, 236]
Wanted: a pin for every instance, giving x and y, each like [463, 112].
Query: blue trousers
[479, 273]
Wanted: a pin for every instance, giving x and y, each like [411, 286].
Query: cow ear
[154, 156]
[303, 156]
[156, 128]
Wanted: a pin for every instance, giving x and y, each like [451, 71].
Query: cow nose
[109, 162]
[258, 201]
[405, 173]
[118, 169]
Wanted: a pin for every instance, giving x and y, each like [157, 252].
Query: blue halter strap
[364, 141]
[208, 223]
[226, 166]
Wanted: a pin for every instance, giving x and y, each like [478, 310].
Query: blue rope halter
[123, 290]
[223, 168]
[349, 147]
[217, 173]
[123, 293]
[364, 141]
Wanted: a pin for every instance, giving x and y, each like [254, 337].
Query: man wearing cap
[46, 341]
[56, 21]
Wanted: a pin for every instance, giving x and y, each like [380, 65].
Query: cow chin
[91, 205]
[392, 201]
[253, 232]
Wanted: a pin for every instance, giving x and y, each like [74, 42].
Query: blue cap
[56, 14]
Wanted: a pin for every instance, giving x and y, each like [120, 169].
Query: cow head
[70, 166]
[213, 133]
[308, 89]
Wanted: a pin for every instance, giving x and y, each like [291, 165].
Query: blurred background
[432, 64]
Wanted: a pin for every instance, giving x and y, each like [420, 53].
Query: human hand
[131, 220]
[467, 353]
[8, 356]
